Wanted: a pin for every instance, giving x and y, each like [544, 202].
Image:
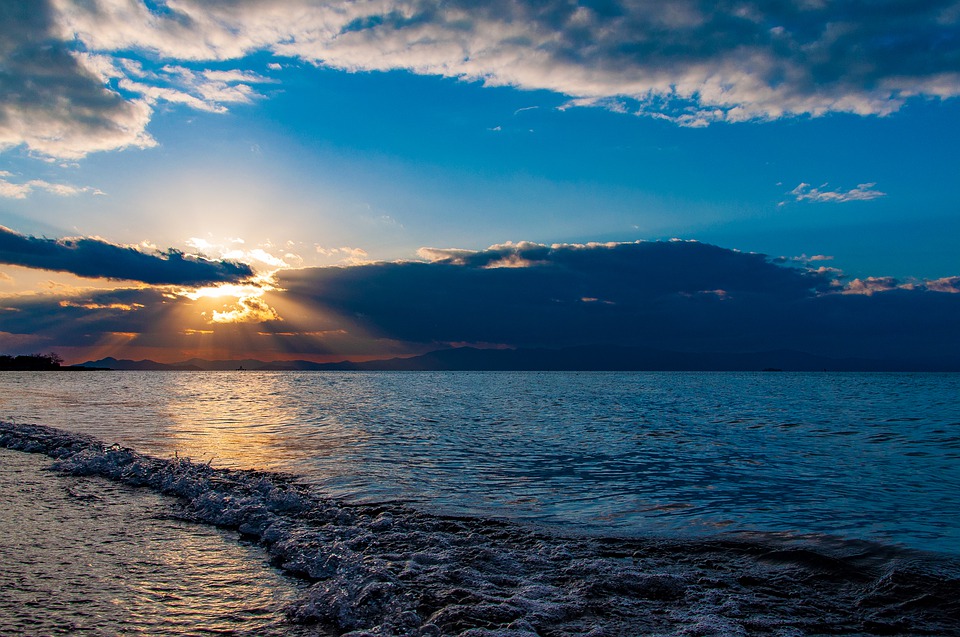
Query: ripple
[784, 452]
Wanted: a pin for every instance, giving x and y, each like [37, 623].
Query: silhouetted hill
[613, 358]
[587, 358]
[144, 365]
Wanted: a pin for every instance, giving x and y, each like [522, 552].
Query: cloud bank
[687, 61]
[95, 258]
[678, 295]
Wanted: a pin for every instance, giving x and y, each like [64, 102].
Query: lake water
[841, 457]
[870, 456]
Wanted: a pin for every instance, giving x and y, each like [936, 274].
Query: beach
[84, 555]
[391, 570]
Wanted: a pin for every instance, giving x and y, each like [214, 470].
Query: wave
[391, 570]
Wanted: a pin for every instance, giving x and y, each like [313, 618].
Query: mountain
[585, 358]
[144, 365]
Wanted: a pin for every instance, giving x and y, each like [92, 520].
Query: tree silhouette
[30, 362]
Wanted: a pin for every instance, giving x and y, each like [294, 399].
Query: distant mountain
[129, 365]
[586, 358]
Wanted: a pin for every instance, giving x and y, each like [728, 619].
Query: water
[664, 504]
[862, 456]
[85, 556]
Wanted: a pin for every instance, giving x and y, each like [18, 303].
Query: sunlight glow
[249, 309]
[233, 290]
[249, 306]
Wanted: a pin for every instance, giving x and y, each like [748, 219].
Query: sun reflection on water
[242, 420]
[634, 452]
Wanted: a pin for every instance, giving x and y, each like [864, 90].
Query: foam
[390, 570]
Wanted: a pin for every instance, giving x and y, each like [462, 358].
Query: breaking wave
[390, 570]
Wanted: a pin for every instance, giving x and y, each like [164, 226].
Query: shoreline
[391, 569]
[88, 556]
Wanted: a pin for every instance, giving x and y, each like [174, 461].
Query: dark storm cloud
[81, 320]
[529, 294]
[96, 258]
[671, 295]
[683, 296]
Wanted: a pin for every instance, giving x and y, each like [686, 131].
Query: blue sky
[297, 134]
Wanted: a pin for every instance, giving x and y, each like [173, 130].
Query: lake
[754, 481]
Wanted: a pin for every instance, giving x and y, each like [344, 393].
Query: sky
[376, 178]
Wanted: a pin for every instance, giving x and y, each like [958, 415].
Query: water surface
[860, 456]
[86, 556]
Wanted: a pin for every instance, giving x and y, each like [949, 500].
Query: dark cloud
[86, 320]
[96, 258]
[671, 295]
[683, 296]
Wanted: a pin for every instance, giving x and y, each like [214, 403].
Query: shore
[389, 570]
[89, 556]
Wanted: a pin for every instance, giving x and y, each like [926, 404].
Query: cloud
[249, 309]
[10, 342]
[95, 258]
[863, 192]
[463, 296]
[871, 285]
[49, 99]
[874, 284]
[690, 62]
[11, 190]
[261, 256]
[206, 90]
[61, 100]
[676, 295]
[679, 295]
[346, 254]
[73, 79]
[950, 285]
[65, 319]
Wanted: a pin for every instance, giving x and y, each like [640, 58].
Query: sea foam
[391, 570]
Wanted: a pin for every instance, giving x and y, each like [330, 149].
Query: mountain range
[586, 358]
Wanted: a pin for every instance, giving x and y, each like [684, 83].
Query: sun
[235, 302]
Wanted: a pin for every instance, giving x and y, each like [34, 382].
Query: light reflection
[107, 559]
[242, 419]
[611, 451]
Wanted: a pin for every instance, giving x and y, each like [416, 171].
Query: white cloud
[871, 285]
[454, 255]
[950, 285]
[345, 254]
[248, 309]
[863, 192]
[803, 258]
[689, 62]
[11, 190]
[261, 257]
